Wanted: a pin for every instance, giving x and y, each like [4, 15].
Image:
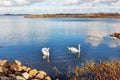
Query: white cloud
[91, 2]
[63, 2]
[8, 3]
[60, 6]
[2, 8]
[106, 1]
[22, 2]
[116, 3]
[70, 2]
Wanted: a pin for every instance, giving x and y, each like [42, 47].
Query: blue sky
[59, 6]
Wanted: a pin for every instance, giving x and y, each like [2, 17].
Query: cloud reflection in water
[94, 41]
[114, 43]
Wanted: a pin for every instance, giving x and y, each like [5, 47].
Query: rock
[17, 73]
[41, 75]
[3, 62]
[17, 62]
[28, 69]
[3, 69]
[15, 67]
[19, 78]
[3, 78]
[24, 68]
[25, 75]
[33, 72]
[48, 78]
[12, 75]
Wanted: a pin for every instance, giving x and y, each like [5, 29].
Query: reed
[104, 70]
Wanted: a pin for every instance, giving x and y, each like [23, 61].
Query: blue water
[23, 38]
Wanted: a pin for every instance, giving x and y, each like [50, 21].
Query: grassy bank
[100, 15]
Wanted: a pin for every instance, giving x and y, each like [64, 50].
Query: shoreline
[88, 71]
[99, 15]
[16, 71]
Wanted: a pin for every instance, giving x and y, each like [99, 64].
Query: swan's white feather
[73, 49]
[45, 51]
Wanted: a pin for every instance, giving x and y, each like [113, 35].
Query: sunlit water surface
[23, 38]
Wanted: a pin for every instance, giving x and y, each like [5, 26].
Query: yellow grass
[105, 70]
[99, 15]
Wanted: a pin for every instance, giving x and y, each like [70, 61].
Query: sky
[59, 6]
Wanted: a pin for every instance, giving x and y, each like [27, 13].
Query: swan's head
[48, 48]
[68, 48]
[79, 45]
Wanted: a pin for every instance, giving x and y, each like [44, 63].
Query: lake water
[23, 38]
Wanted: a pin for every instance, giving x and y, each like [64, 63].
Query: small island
[95, 15]
[116, 35]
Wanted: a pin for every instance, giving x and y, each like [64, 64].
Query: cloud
[8, 3]
[95, 41]
[105, 1]
[71, 2]
[114, 43]
[23, 34]
[92, 2]
[116, 3]
[60, 6]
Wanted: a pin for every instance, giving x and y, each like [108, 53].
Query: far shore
[96, 15]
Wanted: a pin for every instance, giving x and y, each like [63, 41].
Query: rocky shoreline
[16, 71]
[90, 70]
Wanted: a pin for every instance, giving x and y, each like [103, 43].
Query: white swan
[75, 50]
[46, 54]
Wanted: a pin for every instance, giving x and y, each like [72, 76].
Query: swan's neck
[48, 59]
[79, 50]
[79, 47]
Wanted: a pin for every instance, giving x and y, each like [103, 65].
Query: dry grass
[99, 15]
[105, 70]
